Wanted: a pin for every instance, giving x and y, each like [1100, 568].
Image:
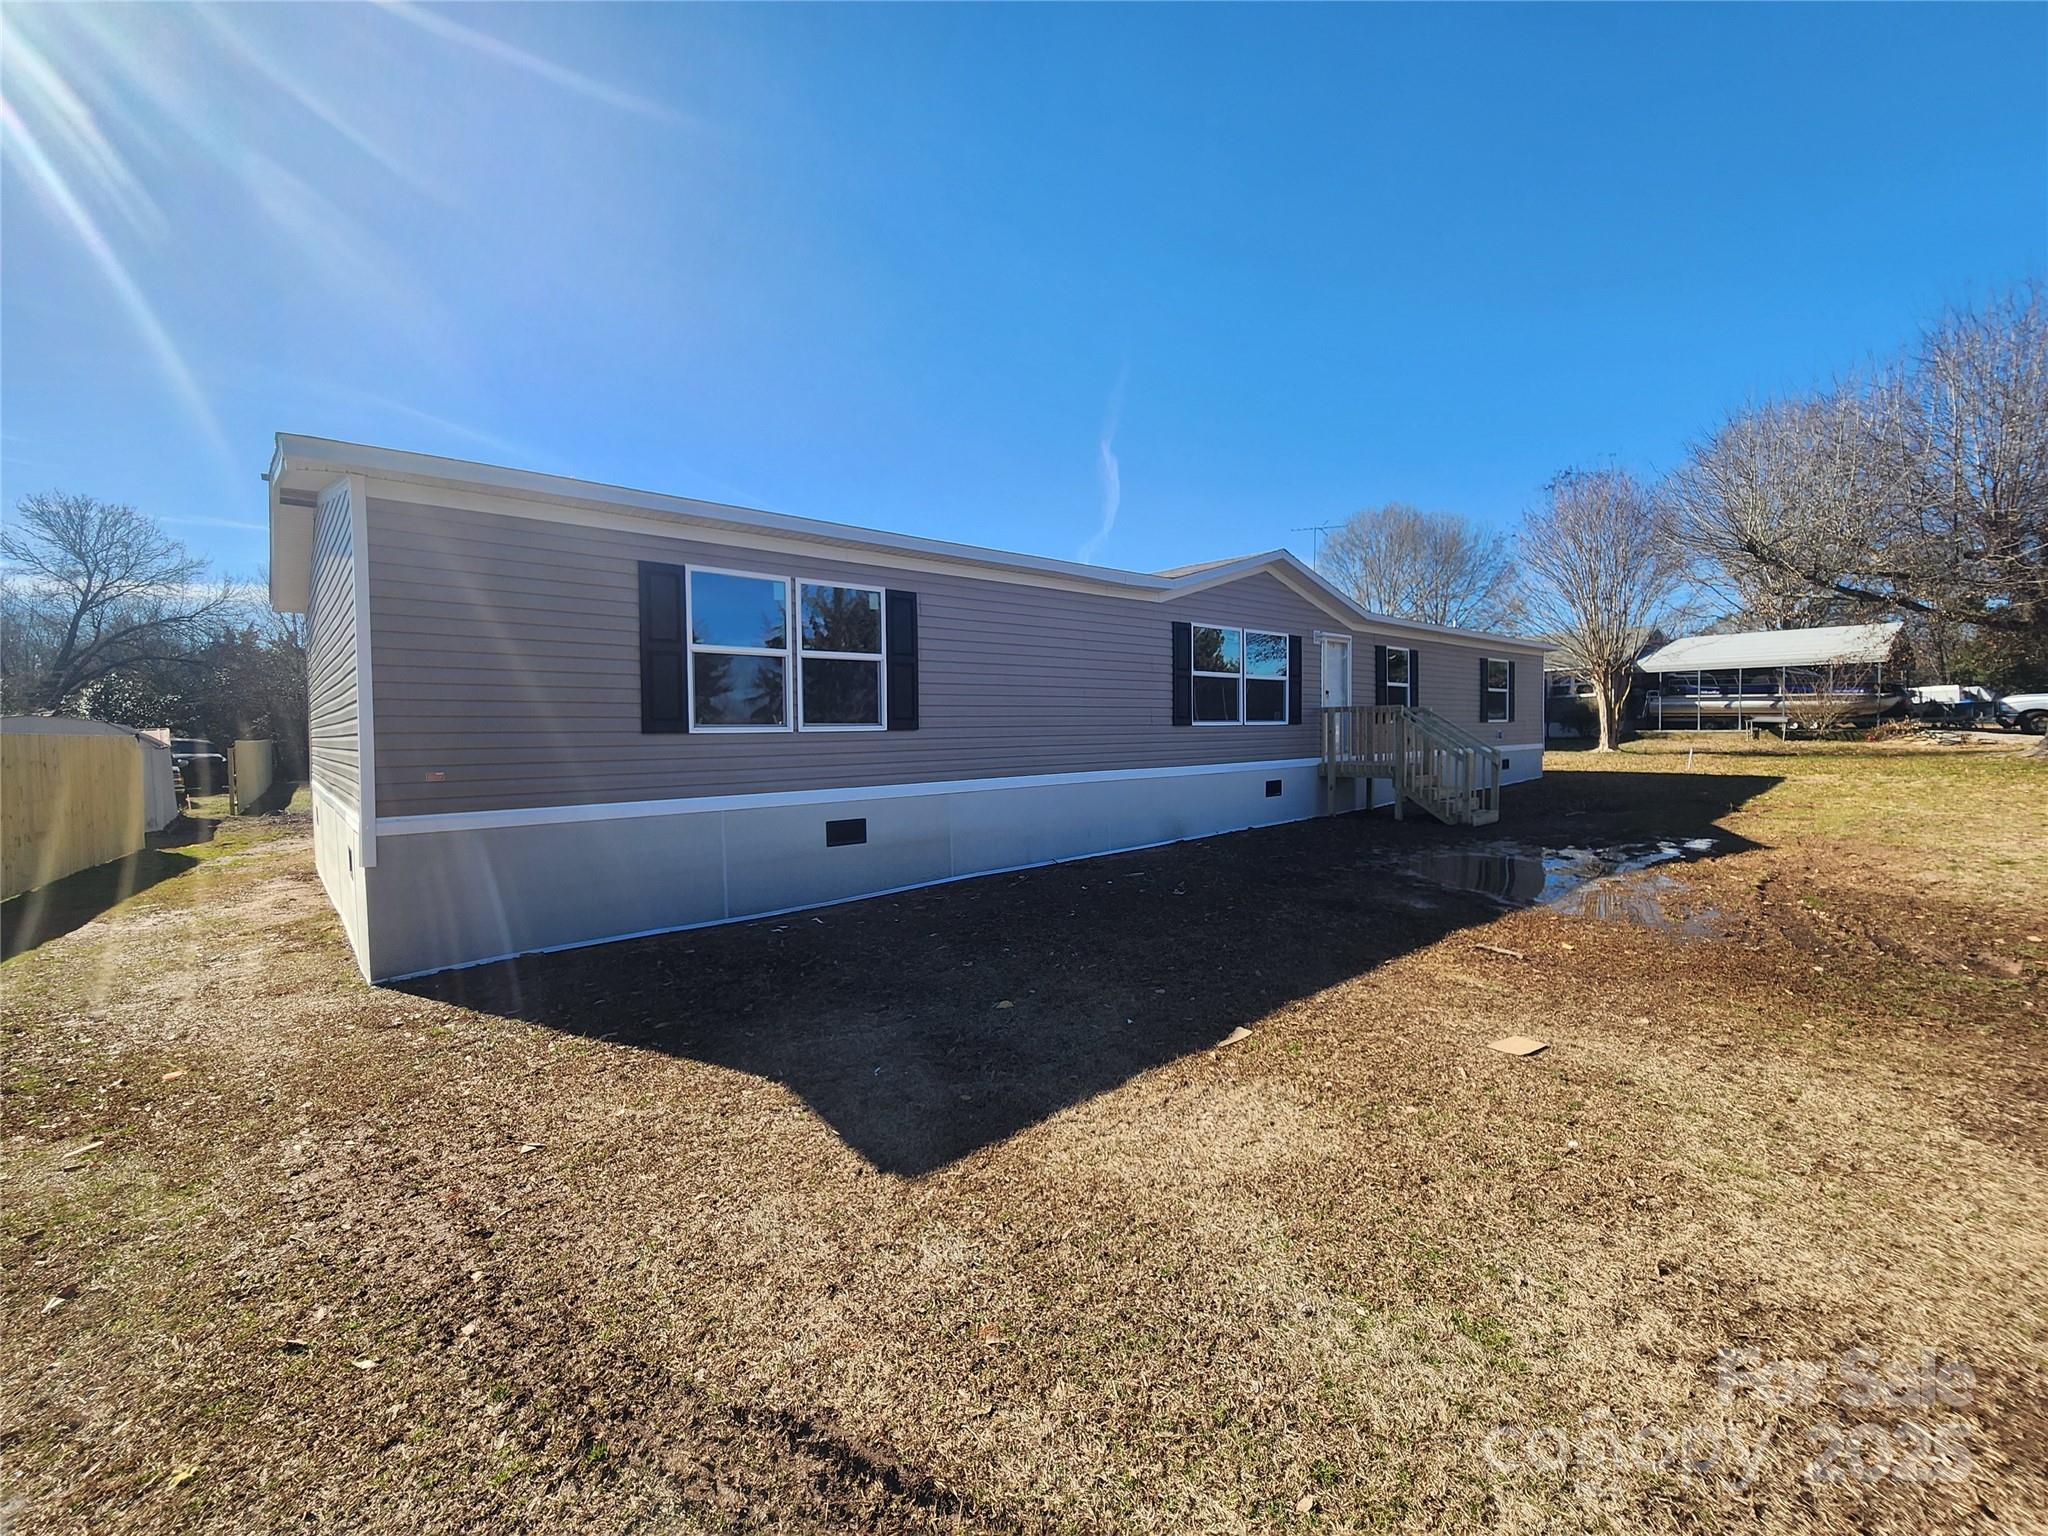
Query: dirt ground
[951, 1211]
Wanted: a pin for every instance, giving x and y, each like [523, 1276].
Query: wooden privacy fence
[71, 796]
[251, 768]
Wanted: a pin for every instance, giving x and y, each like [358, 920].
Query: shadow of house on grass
[63, 906]
[925, 1026]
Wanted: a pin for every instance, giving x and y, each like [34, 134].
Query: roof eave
[309, 463]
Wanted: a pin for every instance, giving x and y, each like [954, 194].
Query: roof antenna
[1318, 529]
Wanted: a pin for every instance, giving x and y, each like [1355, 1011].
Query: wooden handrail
[1446, 770]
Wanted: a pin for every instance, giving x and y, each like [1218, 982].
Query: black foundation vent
[845, 834]
[1272, 789]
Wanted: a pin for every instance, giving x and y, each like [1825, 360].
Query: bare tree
[1790, 499]
[1601, 569]
[1432, 566]
[93, 588]
[1977, 438]
[1920, 490]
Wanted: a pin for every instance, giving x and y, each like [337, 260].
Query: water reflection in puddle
[1584, 882]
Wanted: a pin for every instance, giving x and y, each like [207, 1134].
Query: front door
[1336, 661]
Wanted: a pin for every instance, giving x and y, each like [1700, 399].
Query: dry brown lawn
[948, 1211]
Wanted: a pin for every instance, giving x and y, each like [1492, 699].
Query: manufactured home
[548, 712]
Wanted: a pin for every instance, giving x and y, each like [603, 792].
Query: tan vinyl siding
[331, 685]
[505, 652]
[1450, 684]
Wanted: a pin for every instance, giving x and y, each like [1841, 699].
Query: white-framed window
[1400, 675]
[1219, 675]
[1494, 690]
[1265, 678]
[739, 650]
[1240, 676]
[840, 677]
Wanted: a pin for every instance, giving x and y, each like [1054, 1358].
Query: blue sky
[981, 273]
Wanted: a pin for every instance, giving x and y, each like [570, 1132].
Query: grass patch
[744, 1227]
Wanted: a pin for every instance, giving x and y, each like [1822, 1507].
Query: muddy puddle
[1620, 884]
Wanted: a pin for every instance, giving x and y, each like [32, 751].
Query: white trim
[1408, 682]
[1506, 692]
[691, 648]
[553, 815]
[1244, 632]
[1285, 679]
[426, 480]
[1334, 637]
[1194, 693]
[879, 657]
[322, 795]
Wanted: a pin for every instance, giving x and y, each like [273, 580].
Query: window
[1494, 690]
[1400, 675]
[1219, 675]
[839, 666]
[739, 651]
[1240, 676]
[1265, 678]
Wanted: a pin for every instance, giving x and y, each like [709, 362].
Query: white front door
[1336, 660]
[1336, 671]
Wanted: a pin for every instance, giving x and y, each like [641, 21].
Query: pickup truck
[2024, 712]
[204, 770]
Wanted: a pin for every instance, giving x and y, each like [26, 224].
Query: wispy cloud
[525, 455]
[1112, 473]
[518, 58]
[287, 80]
[349, 261]
[215, 522]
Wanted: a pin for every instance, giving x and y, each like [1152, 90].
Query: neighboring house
[1788, 678]
[546, 712]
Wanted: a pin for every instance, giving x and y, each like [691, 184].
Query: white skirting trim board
[554, 815]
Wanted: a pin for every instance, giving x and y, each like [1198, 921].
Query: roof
[301, 467]
[1193, 570]
[1840, 643]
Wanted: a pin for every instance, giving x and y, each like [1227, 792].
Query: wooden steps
[1448, 772]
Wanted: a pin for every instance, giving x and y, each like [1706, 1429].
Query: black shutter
[901, 614]
[1183, 674]
[1485, 708]
[1294, 679]
[1379, 674]
[1511, 690]
[1415, 678]
[664, 652]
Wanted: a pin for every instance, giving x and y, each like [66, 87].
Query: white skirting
[458, 890]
